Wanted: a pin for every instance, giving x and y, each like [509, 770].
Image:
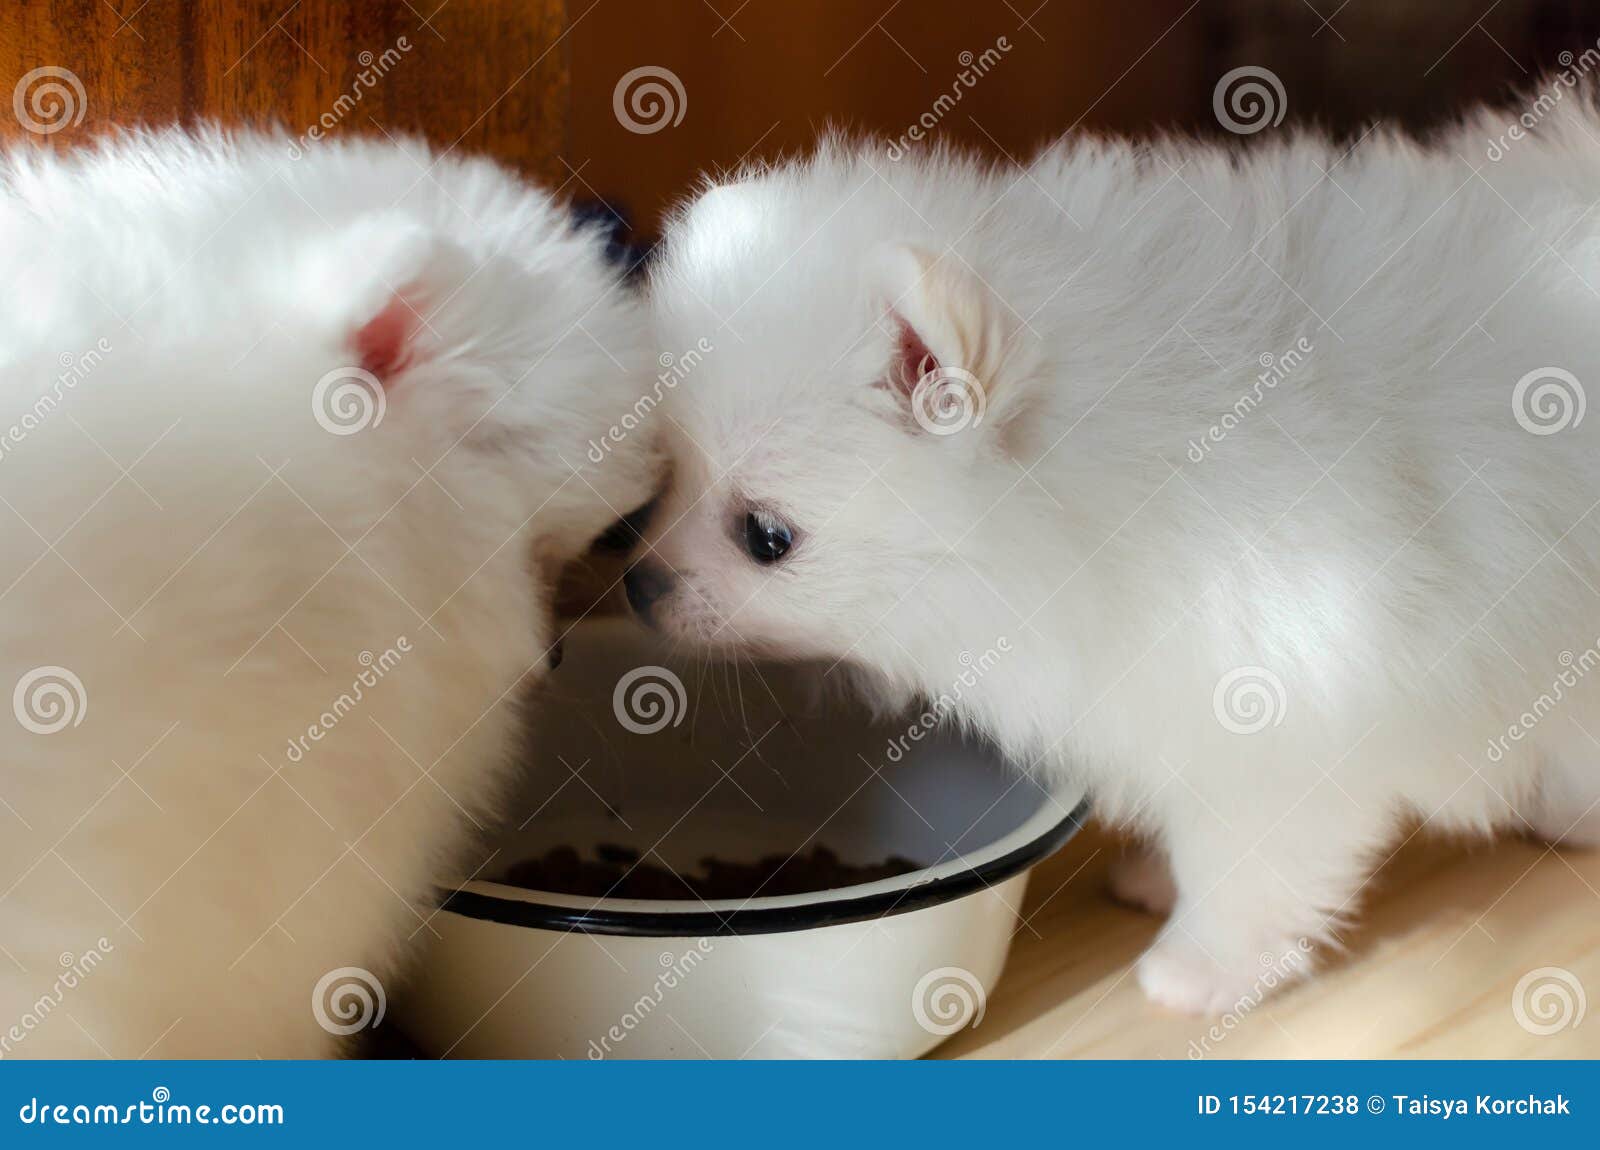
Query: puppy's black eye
[767, 539]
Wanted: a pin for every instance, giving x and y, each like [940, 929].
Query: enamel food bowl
[678, 761]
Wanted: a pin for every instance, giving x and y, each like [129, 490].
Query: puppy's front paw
[1143, 880]
[1175, 974]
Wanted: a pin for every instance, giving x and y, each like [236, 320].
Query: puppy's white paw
[1175, 974]
[1143, 880]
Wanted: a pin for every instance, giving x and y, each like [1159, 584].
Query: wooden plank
[487, 75]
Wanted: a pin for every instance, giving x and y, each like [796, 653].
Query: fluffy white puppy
[292, 447]
[1269, 465]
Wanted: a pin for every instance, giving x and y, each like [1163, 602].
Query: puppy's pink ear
[375, 283]
[946, 342]
[912, 361]
[386, 344]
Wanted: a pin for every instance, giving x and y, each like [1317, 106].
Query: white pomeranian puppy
[292, 445]
[1270, 466]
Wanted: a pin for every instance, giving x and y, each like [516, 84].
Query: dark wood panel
[761, 78]
[490, 75]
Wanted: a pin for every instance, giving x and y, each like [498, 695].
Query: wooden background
[489, 75]
[533, 81]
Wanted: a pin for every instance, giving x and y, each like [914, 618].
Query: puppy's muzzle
[647, 583]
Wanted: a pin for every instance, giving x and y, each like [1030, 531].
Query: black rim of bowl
[764, 920]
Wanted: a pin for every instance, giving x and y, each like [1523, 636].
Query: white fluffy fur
[1378, 532]
[216, 599]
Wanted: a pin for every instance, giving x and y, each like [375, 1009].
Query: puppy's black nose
[646, 582]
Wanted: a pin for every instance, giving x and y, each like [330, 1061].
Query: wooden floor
[1447, 932]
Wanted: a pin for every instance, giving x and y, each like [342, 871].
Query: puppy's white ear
[375, 283]
[947, 338]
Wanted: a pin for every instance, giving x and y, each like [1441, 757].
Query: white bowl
[737, 765]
